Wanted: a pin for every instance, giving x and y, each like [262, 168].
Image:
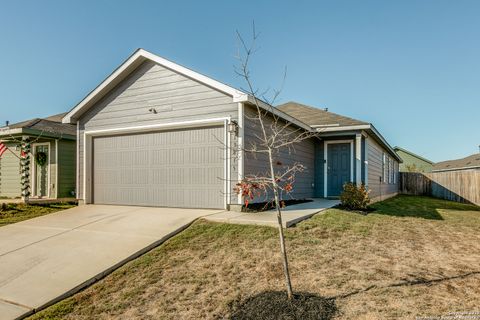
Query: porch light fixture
[232, 127]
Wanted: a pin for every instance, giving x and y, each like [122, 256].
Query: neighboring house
[413, 162]
[155, 133]
[470, 162]
[54, 179]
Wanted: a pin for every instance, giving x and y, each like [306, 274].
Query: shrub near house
[355, 197]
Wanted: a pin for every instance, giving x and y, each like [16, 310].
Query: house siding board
[10, 173]
[175, 97]
[66, 168]
[379, 190]
[302, 152]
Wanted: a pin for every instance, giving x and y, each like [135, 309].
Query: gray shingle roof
[464, 163]
[317, 117]
[51, 124]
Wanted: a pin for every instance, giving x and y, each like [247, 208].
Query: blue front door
[338, 167]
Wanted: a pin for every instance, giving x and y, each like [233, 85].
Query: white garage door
[178, 168]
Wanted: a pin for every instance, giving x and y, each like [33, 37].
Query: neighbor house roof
[412, 154]
[325, 122]
[470, 162]
[49, 126]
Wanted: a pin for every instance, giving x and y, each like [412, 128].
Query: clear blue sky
[412, 68]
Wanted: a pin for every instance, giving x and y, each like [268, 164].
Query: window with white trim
[395, 172]
[390, 170]
[384, 167]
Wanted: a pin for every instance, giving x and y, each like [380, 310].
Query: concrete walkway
[45, 259]
[291, 215]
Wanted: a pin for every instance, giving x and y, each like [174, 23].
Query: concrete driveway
[42, 260]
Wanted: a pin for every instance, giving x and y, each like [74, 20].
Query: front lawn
[16, 212]
[412, 257]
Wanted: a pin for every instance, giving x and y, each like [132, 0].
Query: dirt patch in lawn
[16, 212]
[385, 265]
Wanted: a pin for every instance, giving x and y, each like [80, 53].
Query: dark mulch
[274, 305]
[264, 206]
[362, 212]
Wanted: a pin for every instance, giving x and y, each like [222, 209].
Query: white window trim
[57, 167]
[34, 168]
[384, 167]
[240, 141]
[325, 157]
[358, 158]
[88, 136]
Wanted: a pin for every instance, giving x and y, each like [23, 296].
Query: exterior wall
[175, 97]
[412, 161]
[303, 152]
[380, 190]
[10, 173]
[66, 168]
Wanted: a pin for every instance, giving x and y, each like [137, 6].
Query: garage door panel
[181, 168]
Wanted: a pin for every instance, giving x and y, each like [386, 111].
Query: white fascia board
[160, 126]
[265, 106]
[344, 128]
[132, 62]
[455, 169]
[8, 132]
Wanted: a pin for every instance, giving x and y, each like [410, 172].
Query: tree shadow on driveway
[274, 305]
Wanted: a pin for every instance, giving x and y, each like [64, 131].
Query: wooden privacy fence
[460, 186]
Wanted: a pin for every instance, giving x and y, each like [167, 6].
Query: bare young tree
[277, 138]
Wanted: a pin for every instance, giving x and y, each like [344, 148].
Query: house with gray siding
[155, 133]
[53, 179]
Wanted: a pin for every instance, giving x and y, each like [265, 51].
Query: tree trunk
[286, 269]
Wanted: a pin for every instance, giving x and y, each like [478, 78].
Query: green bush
[354, 197]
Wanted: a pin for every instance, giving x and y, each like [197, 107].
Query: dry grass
[412, 257]
[16, 212]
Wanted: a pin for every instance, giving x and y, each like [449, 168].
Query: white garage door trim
[89, 134]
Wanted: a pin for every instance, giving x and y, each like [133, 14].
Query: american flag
[3, 148]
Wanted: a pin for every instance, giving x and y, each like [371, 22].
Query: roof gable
[127, 67]
[397, 149]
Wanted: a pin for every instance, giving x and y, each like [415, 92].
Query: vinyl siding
[175, 97]
[412, 161]
[257, 164]
[66, 168]
[10, 173]
[379, 190]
